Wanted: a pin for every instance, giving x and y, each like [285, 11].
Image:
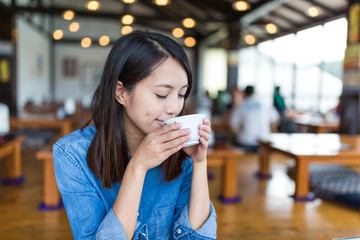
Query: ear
[120, 93]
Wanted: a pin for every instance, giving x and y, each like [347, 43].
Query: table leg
[14, 164]
[229, 181]
[302, 181]
[52, 200]
[264, 160]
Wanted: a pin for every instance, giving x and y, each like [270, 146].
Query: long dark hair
[132, 58]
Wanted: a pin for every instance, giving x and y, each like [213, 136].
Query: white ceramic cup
[189, 121]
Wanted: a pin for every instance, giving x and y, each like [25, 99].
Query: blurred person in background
[252, 120]
[285, 125]
[279, 102]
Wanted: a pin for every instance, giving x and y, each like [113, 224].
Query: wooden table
[313, 124]
[307, 149]
[227, 158]
[11, 151]
[42, 121]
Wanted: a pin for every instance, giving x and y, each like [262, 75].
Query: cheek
[181, 105]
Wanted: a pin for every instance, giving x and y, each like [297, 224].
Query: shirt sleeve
[182, 229]
[85, 209]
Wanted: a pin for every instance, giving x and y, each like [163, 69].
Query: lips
[159, 121]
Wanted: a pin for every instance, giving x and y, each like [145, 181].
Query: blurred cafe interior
[302, 181]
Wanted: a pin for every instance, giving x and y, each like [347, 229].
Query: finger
[176, 134]
[167, 128]
[167, 153]
[205, 128]
[207, 122]
[176, 142]
[204, 134]
[203, 144]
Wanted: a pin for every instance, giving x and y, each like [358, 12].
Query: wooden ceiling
[216, 20]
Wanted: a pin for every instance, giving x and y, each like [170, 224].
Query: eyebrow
[169, 86]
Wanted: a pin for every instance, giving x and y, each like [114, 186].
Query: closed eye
[161, 96]
[182, 96]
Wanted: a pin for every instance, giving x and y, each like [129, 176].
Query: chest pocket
[164, 218]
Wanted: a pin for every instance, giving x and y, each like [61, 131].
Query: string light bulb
[162, 2]
[74, 27]
[86, 42]
[127, 19]
[313, 11]
[250, 39]
[92, 5]
[241, 5]
[189, 41]
[68, 15]
[126, 30]
[178, 32]
[128, 1]
[58, 34]
[104, 40]
[271, 28]
[188, 23]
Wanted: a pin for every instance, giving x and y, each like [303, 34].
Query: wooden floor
[266, 211]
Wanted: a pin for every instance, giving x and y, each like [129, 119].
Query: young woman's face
[156, 98]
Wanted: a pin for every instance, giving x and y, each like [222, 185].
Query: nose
[173, 106]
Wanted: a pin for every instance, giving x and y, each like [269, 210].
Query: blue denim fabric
[163, 210]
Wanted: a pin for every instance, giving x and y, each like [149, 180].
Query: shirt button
[138, 214]
[179, 231]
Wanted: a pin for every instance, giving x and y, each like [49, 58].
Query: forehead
[169, 72]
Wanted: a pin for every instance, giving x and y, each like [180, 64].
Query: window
[306, 65]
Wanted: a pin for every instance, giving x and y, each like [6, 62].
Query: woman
[127, 176]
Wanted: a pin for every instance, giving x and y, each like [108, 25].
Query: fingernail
[178, 125]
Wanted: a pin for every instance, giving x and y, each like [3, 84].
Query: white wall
[32, 54]
[90, 62]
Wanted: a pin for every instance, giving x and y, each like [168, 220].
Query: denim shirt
[163, 210]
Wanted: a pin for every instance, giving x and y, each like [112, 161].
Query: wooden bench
[227, 159]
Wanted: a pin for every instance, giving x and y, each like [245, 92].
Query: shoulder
[75, 143]
[85, 134]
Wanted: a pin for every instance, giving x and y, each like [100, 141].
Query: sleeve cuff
[207, 230]
[111, 228]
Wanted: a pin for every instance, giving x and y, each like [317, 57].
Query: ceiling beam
[222, 7]
[163, 10]
[205, 7]
[302, 13]
[260, 9]
[160, 11]
[291, 22]
[331, 11]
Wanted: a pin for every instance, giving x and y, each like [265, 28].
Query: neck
[133, 142]
[134, 136]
